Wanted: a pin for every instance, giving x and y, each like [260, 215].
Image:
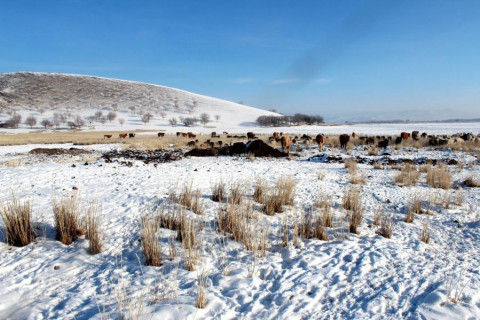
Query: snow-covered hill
[41, 95]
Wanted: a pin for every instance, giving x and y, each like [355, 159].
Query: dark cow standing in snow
[320, 139]
[415, 135]
[383, 144]
[250, 135]
[344, 138]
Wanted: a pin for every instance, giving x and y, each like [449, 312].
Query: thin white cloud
[285, 81]
[323, 81]
[243, 80]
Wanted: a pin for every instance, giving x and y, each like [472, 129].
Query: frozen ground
[363, 276]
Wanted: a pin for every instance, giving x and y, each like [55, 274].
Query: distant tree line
[295, 120]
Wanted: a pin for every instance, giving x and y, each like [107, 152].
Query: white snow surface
[364, 276]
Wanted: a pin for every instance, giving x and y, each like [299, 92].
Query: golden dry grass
[439, 177]
[67, 218]
[17, 218]
[407, 176]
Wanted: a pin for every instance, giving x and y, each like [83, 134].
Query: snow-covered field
[364, 276]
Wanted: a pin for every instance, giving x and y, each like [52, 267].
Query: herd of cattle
[286, 141]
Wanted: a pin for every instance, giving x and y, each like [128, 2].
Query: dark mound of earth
[260, 149]
[147, 156]
[59, 151]
[257, 147]
[197, 152]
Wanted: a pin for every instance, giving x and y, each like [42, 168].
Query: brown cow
[161, 134]
[320, 139]
[191, 135]
[276, 135]
[107, 136]
[122, 135]
[405, 135]
[415, 135]
[353, 135]
[286, 143]
[344, 138]
[250, 135]
[214, 134]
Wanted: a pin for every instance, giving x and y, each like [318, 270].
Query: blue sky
[345, 60]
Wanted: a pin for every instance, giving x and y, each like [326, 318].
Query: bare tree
[163, 114]
[172, 121]
[217, 117]
[147, 117]
[98, 115]
[14, 121]
[121, 121]
[31, 121]
[79, 122]
[56, 119]
[204, 118]
[46, 123]
[111, 116]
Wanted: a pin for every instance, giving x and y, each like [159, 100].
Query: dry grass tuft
[186, 195]
[320, 231]
[150, 243]
[407, 176]
[355, 219]
[439, 177]
[234, 221]
[425, 232]
[357, 178]
[416, 205]
[17, 218]
[191, 242]
[387, 222]
[218, 191]
[67, 218]
[236, 191]
[321, 175]
[296, 230]
[378, 213]
[459, 198]
[324, 203]
[93, 233]
[285, 227]
[272, 204]
[351, 166]
[446, 199]
[410, 215]
[351, 198]
[286, 190]
[260, 190]
[202, 277]
[306, 228]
